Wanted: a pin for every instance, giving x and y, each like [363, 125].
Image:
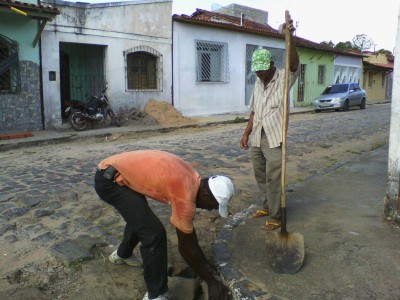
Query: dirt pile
[155, 113]
[135, 116]
[166, 114]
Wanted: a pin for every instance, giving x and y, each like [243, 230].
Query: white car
[341, 96]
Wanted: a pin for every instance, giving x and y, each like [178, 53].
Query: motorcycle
[95, 112]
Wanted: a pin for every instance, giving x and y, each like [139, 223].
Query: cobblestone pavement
[51, 219]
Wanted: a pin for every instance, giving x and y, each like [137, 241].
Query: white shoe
[131, 261]
[160, 297]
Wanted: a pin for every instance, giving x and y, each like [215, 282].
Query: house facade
[212, 68]
[378, 75]
[124, 45]
[316, 71]
[212, 59]
[348, 68]
[320, 68]
[21, 25]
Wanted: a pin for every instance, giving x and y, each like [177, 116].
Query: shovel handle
[285, 118]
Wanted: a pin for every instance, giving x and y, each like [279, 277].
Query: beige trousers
[267, 164]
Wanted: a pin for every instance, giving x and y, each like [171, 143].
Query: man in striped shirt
[265, 122]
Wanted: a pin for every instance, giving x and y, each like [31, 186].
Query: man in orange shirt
[124, 181]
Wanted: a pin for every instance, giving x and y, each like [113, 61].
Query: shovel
[285, 250]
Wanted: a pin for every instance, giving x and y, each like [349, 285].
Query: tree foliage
[329, 44]
[387, 52]
[341, 46]
[345, 46]
[360, 43]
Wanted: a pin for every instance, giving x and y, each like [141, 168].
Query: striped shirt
[267, 105]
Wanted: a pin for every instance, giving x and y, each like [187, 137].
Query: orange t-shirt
[162, 176]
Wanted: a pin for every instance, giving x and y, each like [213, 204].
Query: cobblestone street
[56, 234]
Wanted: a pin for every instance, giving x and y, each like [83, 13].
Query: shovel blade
[285, 251]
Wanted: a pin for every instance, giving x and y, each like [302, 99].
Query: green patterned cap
[261, 60]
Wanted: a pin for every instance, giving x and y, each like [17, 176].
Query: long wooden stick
[285, 120]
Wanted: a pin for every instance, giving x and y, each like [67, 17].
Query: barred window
[370, 78]
[321, 74]
[212, 62]
[9, 66]
[143, 69]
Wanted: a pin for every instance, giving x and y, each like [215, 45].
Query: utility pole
[392, 198]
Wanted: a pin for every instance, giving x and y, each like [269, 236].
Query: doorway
[251, 78]
[301, 79]
[81, 72]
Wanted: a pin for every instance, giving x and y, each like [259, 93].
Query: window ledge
[212, 82]
[144, 90]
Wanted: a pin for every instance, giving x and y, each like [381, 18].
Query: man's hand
[244, 142]
[294, 56]
[218, 291]
[282, 28]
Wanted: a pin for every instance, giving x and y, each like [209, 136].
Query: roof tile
[217, 20]
[32, 7]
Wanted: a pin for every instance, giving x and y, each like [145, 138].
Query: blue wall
[22, 111]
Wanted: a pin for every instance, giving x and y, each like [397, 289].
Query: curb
[12, 136]
[240, 286]
[69, 137]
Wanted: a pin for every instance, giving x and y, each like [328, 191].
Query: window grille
[301, 80]
[143, 69]
[321, 74]
[278, 56]
[370, 78]
[212, 62]
[343, 73]
[9, 66]
[353, 74]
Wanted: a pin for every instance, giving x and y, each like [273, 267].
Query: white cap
[222, 189]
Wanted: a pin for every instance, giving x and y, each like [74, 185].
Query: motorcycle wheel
[114, 119]
[77, 121]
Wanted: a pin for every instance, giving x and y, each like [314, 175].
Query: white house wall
[392, 209]
[347, 69]
[204, 98]
[118, 26]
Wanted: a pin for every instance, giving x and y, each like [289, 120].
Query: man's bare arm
[190, 250]
[249, 128]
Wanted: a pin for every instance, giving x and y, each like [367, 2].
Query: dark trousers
[143, 226]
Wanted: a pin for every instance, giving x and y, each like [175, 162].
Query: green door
[81, 71]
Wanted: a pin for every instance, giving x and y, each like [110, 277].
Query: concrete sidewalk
[67, 135]
[351, 252]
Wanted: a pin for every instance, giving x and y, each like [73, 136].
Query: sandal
[272, 224]
[261, 213]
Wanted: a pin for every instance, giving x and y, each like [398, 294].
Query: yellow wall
[377, 58]
[373, 85]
